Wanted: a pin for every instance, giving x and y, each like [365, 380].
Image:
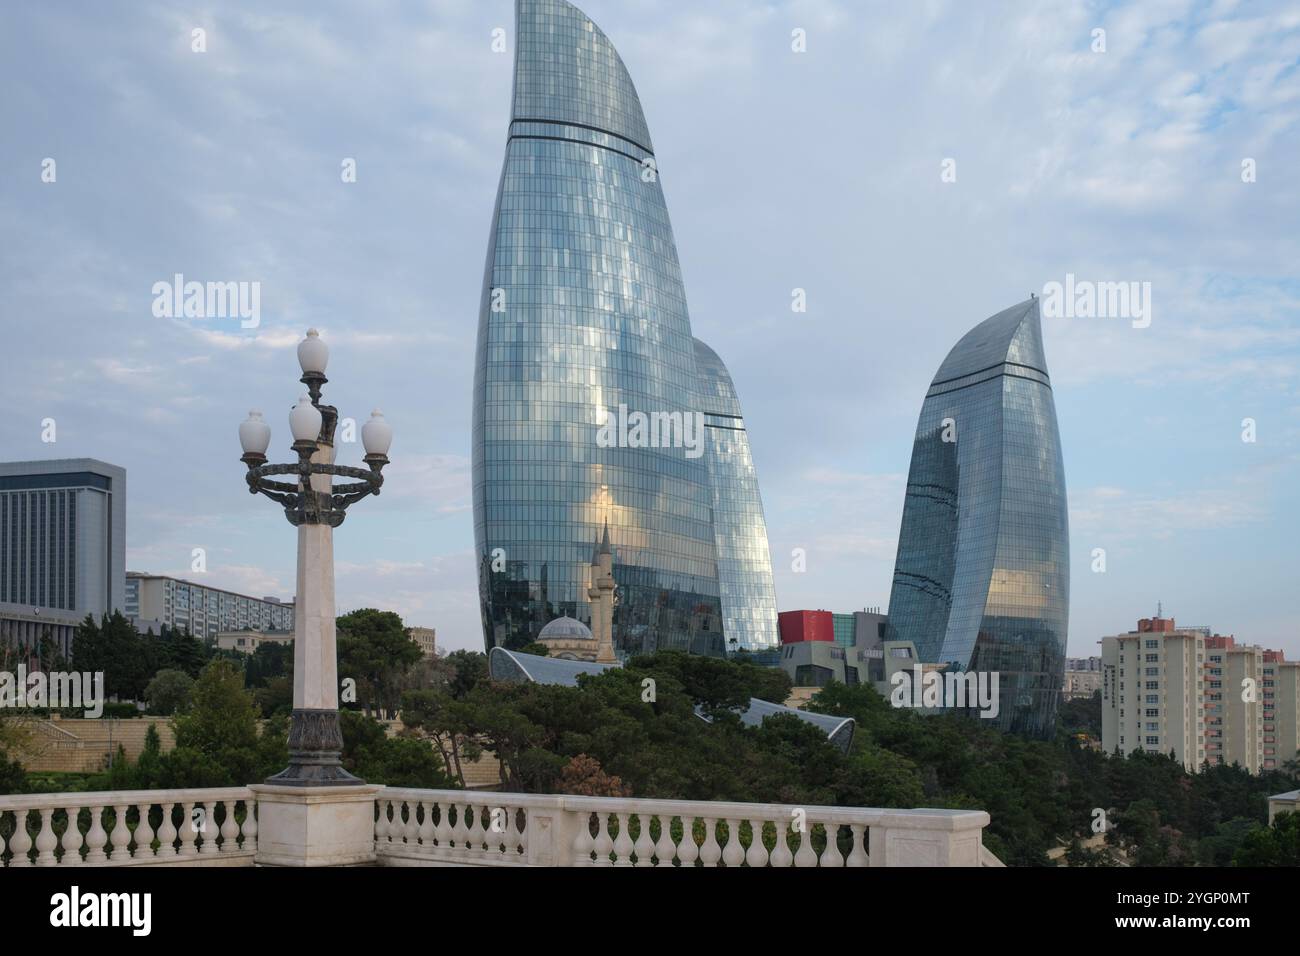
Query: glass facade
[584, 312]
[739, 528]
[981, 581]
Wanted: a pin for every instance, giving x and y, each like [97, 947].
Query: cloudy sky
[818, 170]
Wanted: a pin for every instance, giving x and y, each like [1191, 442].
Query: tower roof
[567, 71]
[1014, 335]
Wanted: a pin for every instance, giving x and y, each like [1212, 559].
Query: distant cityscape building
[155, 601]
[1082, 677]
[739, 528]
[584, 317]
[981, 582]
[1206, 699]
[62, 547]
[247, 642]
[799, 626]
[426, 637]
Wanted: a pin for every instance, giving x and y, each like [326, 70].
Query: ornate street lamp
[315, 506]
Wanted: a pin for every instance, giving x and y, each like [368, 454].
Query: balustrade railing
[423, 827]
[218, 827]
[129, 827]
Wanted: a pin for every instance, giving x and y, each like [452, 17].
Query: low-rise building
[247, 642]
[1082, 677]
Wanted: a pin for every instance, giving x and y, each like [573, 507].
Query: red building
[799, 626]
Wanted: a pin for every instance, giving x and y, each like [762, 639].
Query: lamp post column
[315, 738]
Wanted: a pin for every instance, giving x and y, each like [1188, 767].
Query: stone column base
[315, 826]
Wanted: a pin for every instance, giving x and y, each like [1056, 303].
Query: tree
[375, 757]
[217, 740]
[375, 650]
[168, 692]
[582, 776]
[1276, 845]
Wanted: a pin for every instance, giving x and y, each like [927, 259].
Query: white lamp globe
[313, 354]
[254, 434]
[377, 434]
[305, 420]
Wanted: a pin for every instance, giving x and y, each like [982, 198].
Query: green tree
[1276, 845]
[375, 650]
[168, 692]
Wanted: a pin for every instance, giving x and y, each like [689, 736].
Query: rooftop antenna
[1160, 610]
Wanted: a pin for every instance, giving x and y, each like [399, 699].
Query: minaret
[602, 600]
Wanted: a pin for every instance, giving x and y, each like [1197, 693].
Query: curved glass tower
[982, 577]
[739, 528]
[584, 313]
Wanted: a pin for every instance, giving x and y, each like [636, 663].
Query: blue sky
[818, 170]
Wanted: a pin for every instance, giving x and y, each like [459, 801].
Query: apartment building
[1198, 694]
[154, 601]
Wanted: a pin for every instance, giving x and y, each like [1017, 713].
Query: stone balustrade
[454, 827]
[479, 828]
[213, 827]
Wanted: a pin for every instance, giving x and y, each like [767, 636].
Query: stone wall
[83, 746]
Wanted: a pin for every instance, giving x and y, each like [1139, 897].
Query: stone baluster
[249, 828]
[858, 855]
[582, 841]
[71, 839]
[831, 856]
[781, 855]
[733, 854]
[665, 849]
[45, 841]
[425, 831]
[442, 830]
[120, 838]
[460, 832]
[381, 822]
[688, 851]
[604, 844]
[757, 854]
[644, 846]
[167, 832]
[21, 841]
[96, 838]
[188, 833]
[476, 834]
[623, 843]
[410, 829]
[210, 829]
[710, 852]
[229, 829]
[806, 855]
[143, 833]
[521, 833]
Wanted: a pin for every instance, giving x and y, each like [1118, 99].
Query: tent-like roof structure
[514, 667]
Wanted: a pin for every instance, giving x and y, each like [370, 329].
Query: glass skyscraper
[981, 581]
[584, 314]
[739, 528]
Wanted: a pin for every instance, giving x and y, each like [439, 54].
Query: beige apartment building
[1200, 695]
[426, 637]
